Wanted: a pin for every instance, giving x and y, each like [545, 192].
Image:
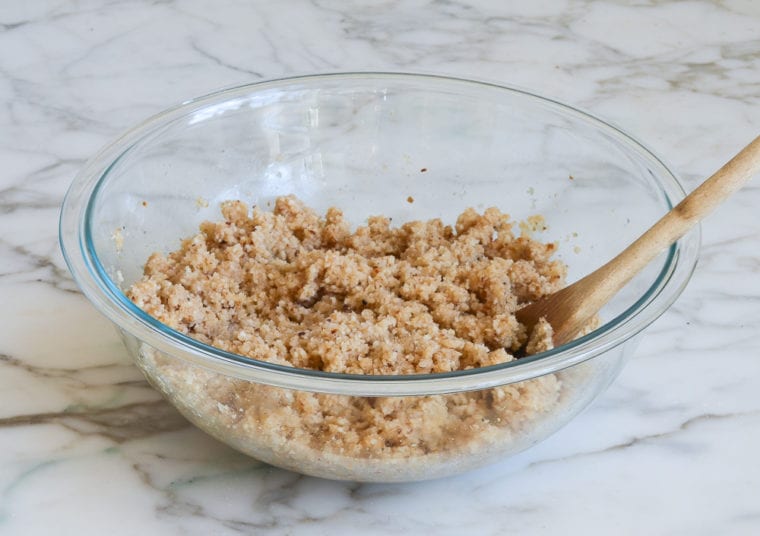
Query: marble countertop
[87, 447]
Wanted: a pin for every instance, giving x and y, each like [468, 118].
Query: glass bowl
[369, 143]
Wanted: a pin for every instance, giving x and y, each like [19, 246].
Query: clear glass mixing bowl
[365, 142]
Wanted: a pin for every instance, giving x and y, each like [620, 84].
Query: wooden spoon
[570, 309]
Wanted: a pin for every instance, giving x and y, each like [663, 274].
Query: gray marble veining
[88, 447]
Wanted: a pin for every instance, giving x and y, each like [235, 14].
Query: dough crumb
[533, 224]
[118, 239]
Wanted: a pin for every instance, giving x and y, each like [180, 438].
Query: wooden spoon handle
[571, 308]
[693, 208]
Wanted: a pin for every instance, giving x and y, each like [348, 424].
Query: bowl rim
[105, 294]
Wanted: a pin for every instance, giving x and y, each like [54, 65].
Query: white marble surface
[86, 447]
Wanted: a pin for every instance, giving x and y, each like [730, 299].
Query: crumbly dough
[293, 288]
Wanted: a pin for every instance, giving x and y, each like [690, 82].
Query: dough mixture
[293, 288]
